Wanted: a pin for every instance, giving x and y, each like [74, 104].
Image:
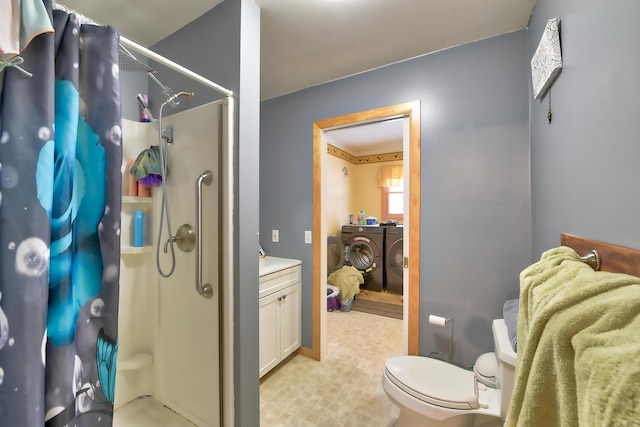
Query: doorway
[411, 155]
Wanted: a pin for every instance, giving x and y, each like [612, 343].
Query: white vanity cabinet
[279, 305]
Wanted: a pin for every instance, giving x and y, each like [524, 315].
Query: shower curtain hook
[15, 63]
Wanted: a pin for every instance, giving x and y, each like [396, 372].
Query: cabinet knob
[284, 297]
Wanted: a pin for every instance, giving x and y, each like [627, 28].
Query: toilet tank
[506, 364]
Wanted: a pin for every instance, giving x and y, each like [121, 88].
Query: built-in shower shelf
[135, 200]
[130, 204]
[136, 361]
[132, 250]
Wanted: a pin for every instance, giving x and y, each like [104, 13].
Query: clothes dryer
[393, 258]
[364, 246]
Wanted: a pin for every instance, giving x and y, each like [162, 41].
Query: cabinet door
[269, 324]
[290, 319]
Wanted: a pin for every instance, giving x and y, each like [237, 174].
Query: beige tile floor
[342, 390]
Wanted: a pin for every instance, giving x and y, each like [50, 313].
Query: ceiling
[308, 42]
[379, 137]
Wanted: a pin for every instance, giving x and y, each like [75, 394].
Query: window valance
[391, 176]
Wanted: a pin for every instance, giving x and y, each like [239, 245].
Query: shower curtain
[60, 187]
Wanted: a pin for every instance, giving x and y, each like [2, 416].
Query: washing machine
[363, 248]
[393, 259]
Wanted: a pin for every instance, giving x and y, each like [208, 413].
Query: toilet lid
[434, 381]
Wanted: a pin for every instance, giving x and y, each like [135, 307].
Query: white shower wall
[166, 318]
[137, 312]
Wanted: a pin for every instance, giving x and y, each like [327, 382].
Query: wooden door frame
[412, 159]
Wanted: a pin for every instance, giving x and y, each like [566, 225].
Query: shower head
[188, 95]
[168, 93]
[173, 99]
[143, 104]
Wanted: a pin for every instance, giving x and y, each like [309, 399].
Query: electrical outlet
[307, 236]
[275, 235]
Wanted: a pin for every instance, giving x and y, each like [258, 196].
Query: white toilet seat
[432, 393]
[434, 381]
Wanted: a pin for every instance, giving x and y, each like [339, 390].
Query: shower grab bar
[205, 290]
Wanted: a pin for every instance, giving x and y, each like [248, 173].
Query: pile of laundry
[348, 279]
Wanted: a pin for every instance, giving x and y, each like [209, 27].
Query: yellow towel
[578, 357]
[348, 279]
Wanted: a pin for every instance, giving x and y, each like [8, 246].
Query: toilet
[430, 392]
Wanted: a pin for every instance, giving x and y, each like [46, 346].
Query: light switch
[307, 236]
[275, 235]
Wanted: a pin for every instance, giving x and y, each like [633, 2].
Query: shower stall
[169, 334]
[175, 334]
[106, 316]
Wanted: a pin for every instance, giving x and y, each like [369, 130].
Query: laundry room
[364, 184]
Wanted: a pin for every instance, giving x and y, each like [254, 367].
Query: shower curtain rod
[130, 44]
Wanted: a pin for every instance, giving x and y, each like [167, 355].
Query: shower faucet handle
[166, 244]
[185, 238]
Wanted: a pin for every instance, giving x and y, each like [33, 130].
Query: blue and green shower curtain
[60, 186]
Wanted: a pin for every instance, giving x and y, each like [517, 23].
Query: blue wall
[585, 165]
[475, 188]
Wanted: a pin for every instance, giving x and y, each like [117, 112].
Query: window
[393, 203]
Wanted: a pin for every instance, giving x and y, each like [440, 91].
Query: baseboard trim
[307, 352]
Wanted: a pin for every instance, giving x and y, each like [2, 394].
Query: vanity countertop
[270, 264]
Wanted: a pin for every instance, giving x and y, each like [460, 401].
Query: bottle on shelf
[133, 184]
[143, 190]
[138, 225]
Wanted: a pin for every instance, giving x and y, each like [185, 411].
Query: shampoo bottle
[138, 224]
[143, 190]
[133, 184]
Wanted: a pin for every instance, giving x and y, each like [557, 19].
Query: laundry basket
[333, 298]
